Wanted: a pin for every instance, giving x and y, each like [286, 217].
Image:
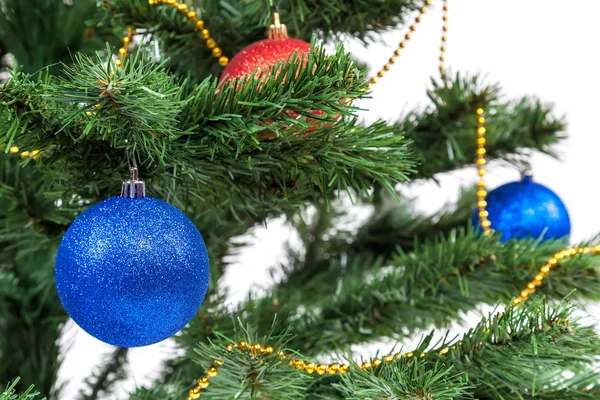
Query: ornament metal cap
[277, 30]
[134, 188]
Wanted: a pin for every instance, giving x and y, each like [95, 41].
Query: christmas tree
[93, 91]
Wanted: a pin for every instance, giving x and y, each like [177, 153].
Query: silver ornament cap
[134, 188]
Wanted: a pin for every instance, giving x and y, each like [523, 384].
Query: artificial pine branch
[235, 24]
[359, 299]
[10, 392]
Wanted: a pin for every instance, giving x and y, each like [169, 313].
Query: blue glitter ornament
[132, 270]
[525, 209]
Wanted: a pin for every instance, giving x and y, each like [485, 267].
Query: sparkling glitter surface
[132, 272]
[262, 54]
[526, 209]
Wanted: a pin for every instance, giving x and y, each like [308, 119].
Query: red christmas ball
[263, 54]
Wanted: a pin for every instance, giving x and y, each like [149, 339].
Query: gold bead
[423, 10]
[481, 141]
[212, 371]
[445, 18]
[35, 153]
[407, 36]
[482, 203]
[281, 355]
[376, 362]
[530, 290]
[299, 364]
[118, 63]
[205, 34]
[481, 120]
[481, 193]
[255, 348]
[122, 51]
[421, 355]
[539, 277]
[195, 393]
[392, 60]
[373, 80]
[211, 44]
[486, 224]
[531, 286]
[479, 111]
[524, 294]
[481, 152]
[126, 39]
[386, 67]
[218, 362]
[229, 347]
[516, 302]
[402, 44]
[398, 356]
[388, 359]
[552, 261]
[481, 130]
[217, 52]
[444, 38]
[242, 345]
[366, 366]
[200, 24]
[442, 68]
[444, 351]
[481, 161]
[445, 8]
[344, 368]
[321, 369]
[483, 214]
[24, 154]
[443, 48]
[310, 367]
[192, 15]
[14, 149]
[203, 382]
[442, 58]
[398, 52]
[380, 74]
[413, 28]
[481, 184]
[418, 19]
[223, 61]
[445, 28]
[267, 351]
[182, 7]
[333, 369]
[152, 2]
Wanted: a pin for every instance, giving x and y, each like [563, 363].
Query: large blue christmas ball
[525, 209]
[132, 272]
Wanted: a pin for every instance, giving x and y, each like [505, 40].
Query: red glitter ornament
[263, 54]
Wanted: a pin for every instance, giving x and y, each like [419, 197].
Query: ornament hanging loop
[134, 188]
[277, 30]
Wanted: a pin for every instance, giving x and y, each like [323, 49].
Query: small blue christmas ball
[132, 271]
[525, 209]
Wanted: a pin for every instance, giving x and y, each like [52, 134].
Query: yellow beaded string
[481, 192]
[35, 154]
[398, 51]
[199, 24]
[124, 50]
[258, 350]
[552, 262]
[444, 39]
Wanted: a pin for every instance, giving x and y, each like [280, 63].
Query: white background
[544, 48]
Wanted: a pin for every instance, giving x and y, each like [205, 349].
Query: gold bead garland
[35, 154]
[124, 50]
[552, 262]
[199, 25]
[402, 45]
[258, 350]
[481, 192]
[444, 39]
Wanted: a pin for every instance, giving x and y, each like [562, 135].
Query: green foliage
[234, 155]
[28, 31]
[10, 393]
